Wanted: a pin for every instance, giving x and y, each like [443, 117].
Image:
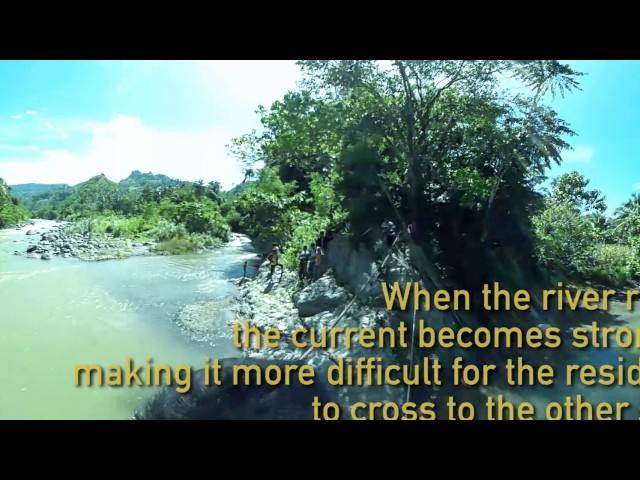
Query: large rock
[353, 267]
[321, 296]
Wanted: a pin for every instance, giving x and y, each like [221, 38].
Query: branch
[494, 191]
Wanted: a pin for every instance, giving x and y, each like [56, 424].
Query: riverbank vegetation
[182, 216]
[11, 212]
[445, 146]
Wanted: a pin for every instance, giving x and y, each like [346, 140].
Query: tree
[459, 155]
[572, 188]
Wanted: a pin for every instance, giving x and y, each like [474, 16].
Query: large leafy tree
[453, 150]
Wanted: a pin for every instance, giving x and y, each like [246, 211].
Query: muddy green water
[57, 314]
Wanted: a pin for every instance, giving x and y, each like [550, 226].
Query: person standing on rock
[311, 266]
[274, 259]
[319, 264]
[304, 260]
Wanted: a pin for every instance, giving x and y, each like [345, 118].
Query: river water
[60, 313]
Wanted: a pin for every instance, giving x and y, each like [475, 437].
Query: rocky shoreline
[63, 240]
[60, 241]
[286, 304]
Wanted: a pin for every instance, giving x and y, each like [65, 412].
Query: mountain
[138, 180]
[95, 194]
[28, 190]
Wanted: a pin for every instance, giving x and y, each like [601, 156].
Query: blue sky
[606, 117]
[65, 121]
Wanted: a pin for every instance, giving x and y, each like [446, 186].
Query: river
[60, 313]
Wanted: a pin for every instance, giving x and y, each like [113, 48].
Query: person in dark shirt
[304, 260]
[324, 239]
[388, 232]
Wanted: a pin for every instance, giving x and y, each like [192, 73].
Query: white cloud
[245, 84]
[637, 185]
[20, 115]
[578, 155]
[234, 89]
[125, 144]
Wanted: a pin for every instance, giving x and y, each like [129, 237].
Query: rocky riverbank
[60, 240]
[287, 304]
[63, 240]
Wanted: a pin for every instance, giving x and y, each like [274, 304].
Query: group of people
[390, 232]
[312, 261]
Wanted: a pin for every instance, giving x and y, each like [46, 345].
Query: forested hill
[28, 190]
[11, 212]
[138, 180]
[96, 194]
[182, 216]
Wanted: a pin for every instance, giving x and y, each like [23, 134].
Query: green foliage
[11, 211]
[574, 236]
[439, 142]
[143, 206]
[572, 189]
[627, 220]
[565, 239]
[614, 265]
[305, 232]
[166, 230]
[203, 217]
[185, 244]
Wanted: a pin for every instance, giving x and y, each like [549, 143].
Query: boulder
[321, 296]
[46, 256]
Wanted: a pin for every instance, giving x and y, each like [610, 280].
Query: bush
[564, 239]
[614, 265]
[203, 218]
[166, 230]
[186, 243]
